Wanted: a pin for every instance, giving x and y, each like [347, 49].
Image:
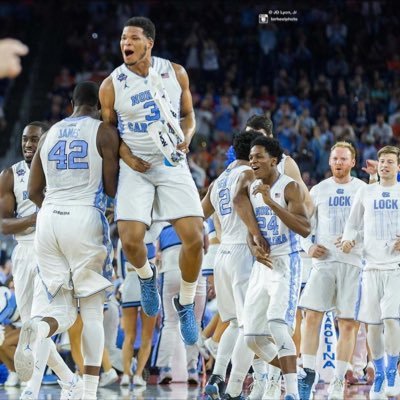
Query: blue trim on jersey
[100, 199]
[207, 272]
[151, 251]
[107, 265]
[294, 242]
[211, 226]
[9, 310]
[157, 345]
[120, 124]
[130, 304]
[168, 238]
[359, 296]
[295, 271]
[123, 260]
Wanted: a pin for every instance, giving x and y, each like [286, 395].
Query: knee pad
[282, 338]
[261, 346]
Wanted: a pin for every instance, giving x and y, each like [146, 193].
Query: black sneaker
[215, 387]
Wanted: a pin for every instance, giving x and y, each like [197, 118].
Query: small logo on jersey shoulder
[21, 172]
[123, 78]
[340, 191]
[165, 75]
[385, 194]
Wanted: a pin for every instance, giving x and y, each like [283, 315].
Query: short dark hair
[43, 125]
[86, 94]
[261, 122]
[242, 143]
[145, 23]
[271, 146]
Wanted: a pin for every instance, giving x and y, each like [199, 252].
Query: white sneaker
[71, 390]
[12, 379]
[377, 391]
[193, 376]
[125, 380]
[257, 388]
[27, 394]
[108, 378]
[212, 347]
[336, 389]
[202, 348]
[272, 389]
[392, 383]
[139, 381]
[165, 376]
[24, 359]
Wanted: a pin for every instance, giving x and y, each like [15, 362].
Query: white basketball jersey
[25, 207]
[281, 166]
[233, 229]
[135, 107]
[281, 239]
[72, 163]
[332, 209]
[377, 208]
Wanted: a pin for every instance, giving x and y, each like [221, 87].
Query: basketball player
[334, 277]
[128, 98]
[232, 270]
[375, 211]
[271, 300]
[76, 159]
[19, 218]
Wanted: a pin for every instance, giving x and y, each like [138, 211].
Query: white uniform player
[375, 221]
[208, 265]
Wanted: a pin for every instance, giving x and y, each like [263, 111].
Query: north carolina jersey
[281, 166]
[212, 233]
[332, 203]
[233, 229]
[376, 209]
[135, 107]
[24, 207]
[281, 239]
[72, 163]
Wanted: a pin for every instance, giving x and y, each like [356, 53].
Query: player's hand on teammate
[183, 147]
[137, 163]
[347, 245]
[371, 167]
[262, 257]
[338, 242]
[265, 191]
[318, 251]
[11, 51]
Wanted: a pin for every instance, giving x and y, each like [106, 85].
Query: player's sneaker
[188, 324]
[227, 396]
[193, 376]
[27, 394]
[150, 298]
[125, 380]
[305, 383]
[392, 383]
[139, 381]
[165, 376]
[202, 348]
[291, 396]
[108, 378]
[12, 380]
[257, 388]
[272, 389]
[377, 391]
[336, 389]
[71, 390]
[212, 347]
[215, 387]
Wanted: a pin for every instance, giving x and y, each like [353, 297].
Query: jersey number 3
[78, 149]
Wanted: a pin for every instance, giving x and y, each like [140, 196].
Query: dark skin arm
[37, 179]
[295, 216]
[258, 253]
[243, 207]
[10, 224]
[108, 146]
[107, 99]
[208, 208]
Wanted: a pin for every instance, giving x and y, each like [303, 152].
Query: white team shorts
[207, 268]
[233, 264]
[272, 295]
[378, 296]
[332, 286]
[160, 194]
[73, 249]
[130, 290]
[24, 272]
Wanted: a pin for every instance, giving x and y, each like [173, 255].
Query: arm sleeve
[355, 221]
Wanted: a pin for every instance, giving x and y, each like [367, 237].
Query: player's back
[72, 164]
[233, 229]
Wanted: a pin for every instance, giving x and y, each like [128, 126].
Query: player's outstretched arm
[208, 208]
[11, 225]
[37, 179]
[188, 121]
[108, 146]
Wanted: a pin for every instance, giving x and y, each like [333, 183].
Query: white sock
[90, 383]
[260, 369]
[187, 292]
[309, 361]
[274, 373]
[291, 384]
[341, 369]
[145, 272]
